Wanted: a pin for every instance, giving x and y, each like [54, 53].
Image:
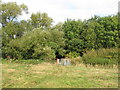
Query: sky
[60, 10]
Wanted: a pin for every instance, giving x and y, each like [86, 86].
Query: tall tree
[74, 41]
[108, 34]
[37, 44]
[10, 11]
[41, 20]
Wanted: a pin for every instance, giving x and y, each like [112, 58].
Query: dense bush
[72, 55]
[37, 44]
[101, 57]
[76, 60]
[97, 32]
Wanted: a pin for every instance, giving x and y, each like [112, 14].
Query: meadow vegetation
[46, 75]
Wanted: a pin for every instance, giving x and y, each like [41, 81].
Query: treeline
[38, 38]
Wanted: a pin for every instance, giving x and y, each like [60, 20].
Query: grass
[46, 75]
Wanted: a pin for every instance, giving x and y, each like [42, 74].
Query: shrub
[76, 60]
[46, 53]
[72, 55]
[36, 44]
[100, 61]
[101, 57]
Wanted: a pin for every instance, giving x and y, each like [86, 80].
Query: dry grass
[48, 75]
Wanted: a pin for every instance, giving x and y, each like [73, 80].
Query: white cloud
[60, 10]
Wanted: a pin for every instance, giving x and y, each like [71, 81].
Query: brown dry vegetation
[48, 75]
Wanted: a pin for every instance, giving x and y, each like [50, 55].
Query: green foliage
[73, 36]
[23, 61]
[11, 28]
[10, 11]
[29, 61]
[72, 55]
[41, 20]
[94, 33]
[58, 26]
[76, 60]
[37, 38]
[101, 57]
[107, 32]
[89, 35]
[100, 61]
[38, 44]
[44, 53]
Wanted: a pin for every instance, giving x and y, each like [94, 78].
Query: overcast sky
[60, 10]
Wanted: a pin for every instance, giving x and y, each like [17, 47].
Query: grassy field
[48, 75]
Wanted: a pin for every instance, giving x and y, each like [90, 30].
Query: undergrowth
[101, 57]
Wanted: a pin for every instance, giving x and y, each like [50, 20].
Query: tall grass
[101, 57]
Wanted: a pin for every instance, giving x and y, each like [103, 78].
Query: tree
[89, 34]
[37, 44]
[74, 41]
[41, 20]
[37, 38]
[10, 11]
[58, 26]
[11, 28]
[108, 33]
[14, 30]
[104, 31]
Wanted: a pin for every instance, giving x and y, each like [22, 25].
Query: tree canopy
[37, 38]
[10, 11]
